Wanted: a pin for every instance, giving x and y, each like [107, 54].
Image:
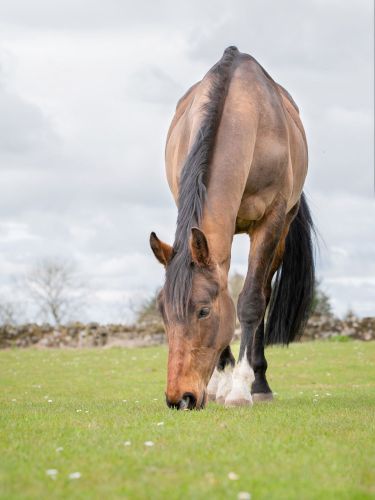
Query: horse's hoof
[211, 397]
[262, 397]
[230, 403]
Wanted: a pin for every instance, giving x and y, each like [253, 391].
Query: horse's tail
[293, 288]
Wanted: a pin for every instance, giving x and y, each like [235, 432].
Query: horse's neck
[228, 174]
[218, 225]
[227, 180]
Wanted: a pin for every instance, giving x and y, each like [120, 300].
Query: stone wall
[80, 335]
[323, 327]
[95, 335]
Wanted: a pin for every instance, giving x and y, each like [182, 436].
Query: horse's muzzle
[188, 402]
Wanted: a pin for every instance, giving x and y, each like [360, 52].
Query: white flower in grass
[50, 401]
[315, 400]
[78, 411]
[52, 473]
[233, 476]
[328, 394]
[160, 423]
[127, 443]
[74, 475]
[59, 449]
[149, 443]
[244, 495]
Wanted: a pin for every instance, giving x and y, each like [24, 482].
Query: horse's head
[198, 315]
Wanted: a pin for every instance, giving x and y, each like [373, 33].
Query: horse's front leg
[251, 367]
[221, 380]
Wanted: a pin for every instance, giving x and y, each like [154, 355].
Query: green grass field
[73, 411]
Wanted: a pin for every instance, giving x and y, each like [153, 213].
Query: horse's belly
[268, 177]
[252, 208]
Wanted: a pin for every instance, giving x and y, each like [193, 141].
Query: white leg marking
[243, 376]
[225, 384]
[213, 385]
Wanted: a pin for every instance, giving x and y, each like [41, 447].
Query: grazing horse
[236, 161]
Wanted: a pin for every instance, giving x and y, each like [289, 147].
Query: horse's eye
[204, 312]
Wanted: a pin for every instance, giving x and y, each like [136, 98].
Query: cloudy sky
[87, 92]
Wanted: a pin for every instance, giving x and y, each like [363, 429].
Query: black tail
[293, 289]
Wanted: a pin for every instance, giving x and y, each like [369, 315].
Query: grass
[317, 440]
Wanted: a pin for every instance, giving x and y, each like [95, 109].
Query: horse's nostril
[188, 401]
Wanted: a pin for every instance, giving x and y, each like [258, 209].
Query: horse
[236, 160]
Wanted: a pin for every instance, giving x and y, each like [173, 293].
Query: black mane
[192, 188]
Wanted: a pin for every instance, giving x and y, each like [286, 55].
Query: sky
[87, 93]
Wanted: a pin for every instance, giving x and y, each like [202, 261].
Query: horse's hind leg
[260, 390]
[221, 380]
[252, 303]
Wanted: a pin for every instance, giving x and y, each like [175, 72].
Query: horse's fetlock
[259, 364]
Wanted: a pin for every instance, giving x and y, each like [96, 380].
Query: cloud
[316, 35]
[23, 127]
[153, 85]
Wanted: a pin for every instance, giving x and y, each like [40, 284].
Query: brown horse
[236, 161]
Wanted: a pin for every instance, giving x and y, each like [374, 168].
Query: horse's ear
[162, 251]
[199, 247]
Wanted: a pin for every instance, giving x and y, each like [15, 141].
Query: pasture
[74, 424]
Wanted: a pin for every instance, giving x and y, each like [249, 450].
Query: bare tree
[53, 285]
[148, 311]
[13, 308]
[321, 303]
[8, 315]
[124, 311]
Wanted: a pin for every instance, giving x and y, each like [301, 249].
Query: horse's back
[259, 141]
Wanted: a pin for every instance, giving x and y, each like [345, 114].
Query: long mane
[192, 188]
